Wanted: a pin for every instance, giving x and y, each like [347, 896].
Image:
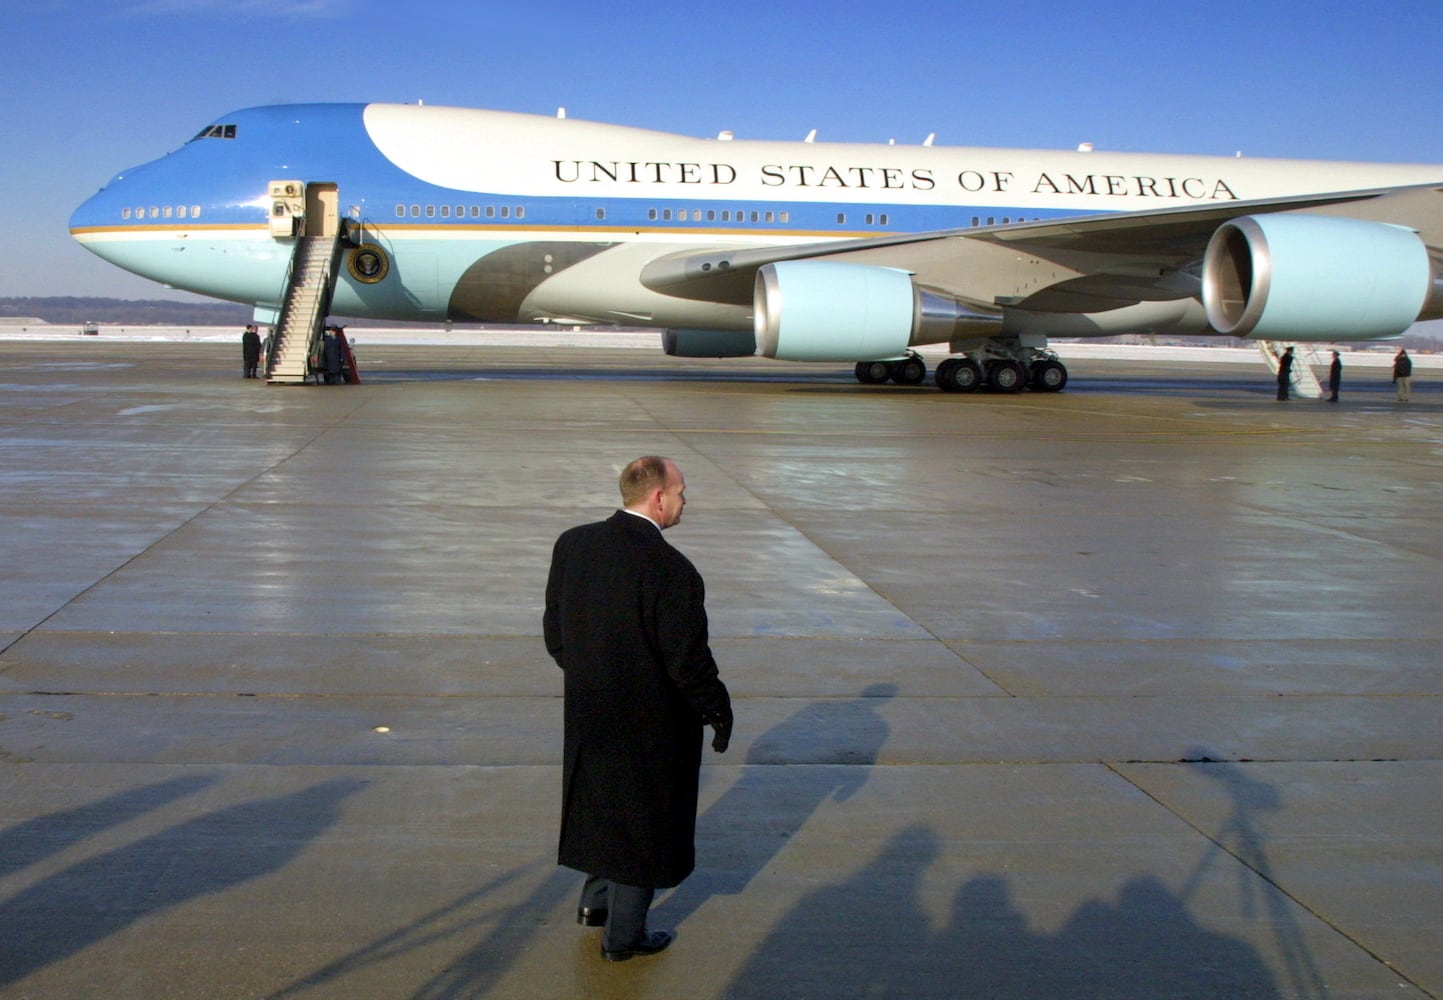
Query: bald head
[654, 486]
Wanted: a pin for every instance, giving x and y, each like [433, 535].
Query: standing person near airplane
[250, 350]
[1285, 373]
[1335, 377]
[1403, 375]
[626, 621]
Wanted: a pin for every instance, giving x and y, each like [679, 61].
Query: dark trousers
[625, 907]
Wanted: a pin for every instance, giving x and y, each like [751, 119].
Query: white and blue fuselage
[469, 215]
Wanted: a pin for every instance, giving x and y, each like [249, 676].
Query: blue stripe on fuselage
[227, 179]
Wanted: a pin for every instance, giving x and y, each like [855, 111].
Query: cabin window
[600, 214]
[711, 215]
[445, 211]
[520, 211]
[125, 213]
[505, 211]
[415, 211]
[475, 211]
[841, 218]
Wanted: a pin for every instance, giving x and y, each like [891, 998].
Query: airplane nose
[96, 224]
[89, 212]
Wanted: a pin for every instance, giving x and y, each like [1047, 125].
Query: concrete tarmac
[1131, 691]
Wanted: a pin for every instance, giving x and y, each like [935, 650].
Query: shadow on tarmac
[868, 936]
[30, 842]
[825, 734]
[102, 895]
[482, 966]
[871, 935]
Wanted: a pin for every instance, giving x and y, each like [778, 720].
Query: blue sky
[91, 89]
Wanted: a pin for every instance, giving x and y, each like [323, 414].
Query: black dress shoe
[651, 942]
[591, 916]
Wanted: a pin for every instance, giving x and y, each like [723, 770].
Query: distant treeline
[75, 310]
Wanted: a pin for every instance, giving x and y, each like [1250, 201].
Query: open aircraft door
[299, 209]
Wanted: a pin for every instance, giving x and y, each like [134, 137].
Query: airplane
[801, 251]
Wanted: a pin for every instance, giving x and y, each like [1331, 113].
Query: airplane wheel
[909, 371]
[873, 372]
[958, 375]
[1007, 376]
[1048, 376]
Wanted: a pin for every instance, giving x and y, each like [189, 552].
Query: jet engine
[822, 310]
[1312, 277]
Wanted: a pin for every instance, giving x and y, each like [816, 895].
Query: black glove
[721, 725]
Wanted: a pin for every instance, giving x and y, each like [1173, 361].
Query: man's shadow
[825, 751]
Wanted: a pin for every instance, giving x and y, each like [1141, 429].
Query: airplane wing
[1080, 264]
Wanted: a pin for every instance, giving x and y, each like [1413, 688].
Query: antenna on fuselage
[560, 112]
[931, 138]
[811, 136]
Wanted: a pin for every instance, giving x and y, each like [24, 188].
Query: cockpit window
[216, 132]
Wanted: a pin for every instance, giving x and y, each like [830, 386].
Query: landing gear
[1006, 375]
[911, 370]
[1048, 375]
[958, 375]
[1002, 374]
[873, 372]
[1011, 371]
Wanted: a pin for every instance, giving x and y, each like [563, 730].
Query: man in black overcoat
[1285, 373]
[250, 350]
[625, 620]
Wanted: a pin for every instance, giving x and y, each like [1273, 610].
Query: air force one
[799, 251]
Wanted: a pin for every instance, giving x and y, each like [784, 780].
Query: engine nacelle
[822, 310]
[709, 343]
[1314, 277]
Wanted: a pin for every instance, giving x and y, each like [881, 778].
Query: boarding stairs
[1305, 382]
[299, 331]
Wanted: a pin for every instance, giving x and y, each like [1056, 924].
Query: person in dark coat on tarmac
[1285, 373]
[626, 621]
[1403, 375]
[251, 350]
